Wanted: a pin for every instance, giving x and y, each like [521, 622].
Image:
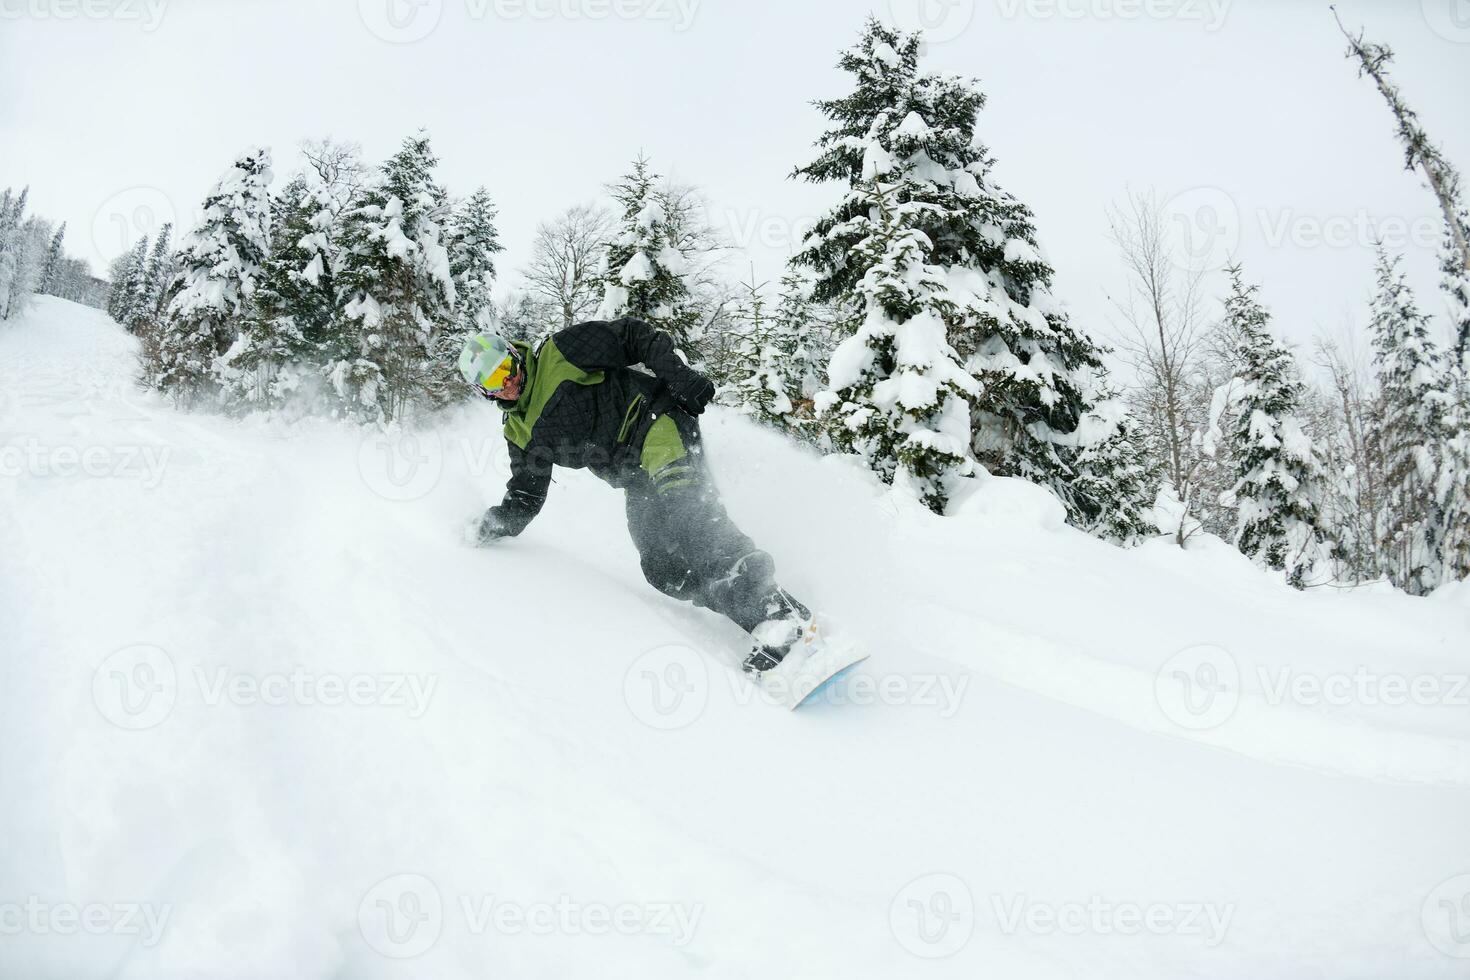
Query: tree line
[916, 327]
[33, 260]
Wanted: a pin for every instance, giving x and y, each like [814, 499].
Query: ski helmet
[488, 361]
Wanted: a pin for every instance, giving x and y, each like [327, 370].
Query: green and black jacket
[583, 406]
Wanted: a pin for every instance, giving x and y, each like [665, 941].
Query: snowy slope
[262, 715]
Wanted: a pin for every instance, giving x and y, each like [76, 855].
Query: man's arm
[530, 478]
[599, 344]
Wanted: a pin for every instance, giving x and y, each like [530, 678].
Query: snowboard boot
[786, 621]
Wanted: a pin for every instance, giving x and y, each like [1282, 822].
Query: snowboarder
[577, 401]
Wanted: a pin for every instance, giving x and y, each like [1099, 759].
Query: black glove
[693, 393]
[486, 530]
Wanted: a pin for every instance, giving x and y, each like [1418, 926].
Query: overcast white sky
[119, 114]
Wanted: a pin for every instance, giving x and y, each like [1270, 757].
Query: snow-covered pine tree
[12, 217]
[134, 302]
[395, 289]
[760, 383]
[642, 272]
[897, 391]
[1116, 482]
[1411, 433]
[525, 316]
[221, 264]
[1454, 491]
[1032, 368]
[805, 366]
[117, 278]
[55, 252]
[473, 243]
[125, 276]
[1423, 154]
[159, 273]
[1277, 491]
[266, 361]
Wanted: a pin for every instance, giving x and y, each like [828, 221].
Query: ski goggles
[488, 362]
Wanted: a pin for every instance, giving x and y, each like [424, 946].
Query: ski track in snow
[587, 737]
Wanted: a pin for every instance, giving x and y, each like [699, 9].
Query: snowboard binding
[788, 622]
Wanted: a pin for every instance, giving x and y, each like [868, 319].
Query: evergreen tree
[1455, 266]
[134, 300]
[1423, 154]
[527, 318]
[772, 374]
[642, 272]
[159, 273]
[1453, 491]
[222, 264]
[915, 134]
[1277, 491]
[803, 361]
[897, 395]
[117, 279]
[292, 313]
[1411, 433]
[473, 243]
[52, 266]
[395, 289]
[759, 383]
[127, 274]
[12, 244]
[1116, 483]
[797, 318]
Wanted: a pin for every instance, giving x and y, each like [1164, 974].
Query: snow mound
[1008, 502]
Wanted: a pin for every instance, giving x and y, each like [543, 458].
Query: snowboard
[815, 661]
